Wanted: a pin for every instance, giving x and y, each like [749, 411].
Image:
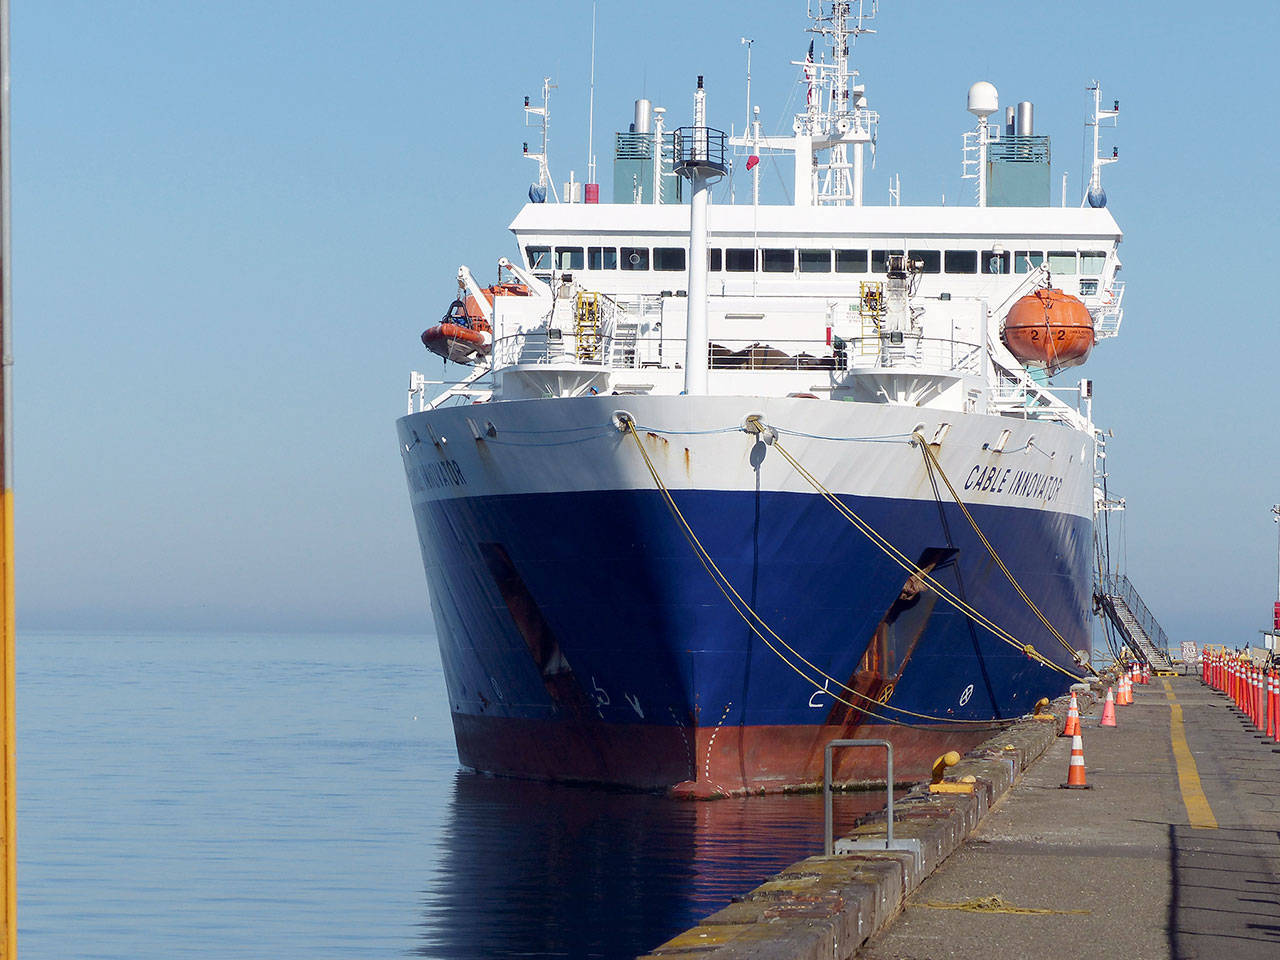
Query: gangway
[1116, 597]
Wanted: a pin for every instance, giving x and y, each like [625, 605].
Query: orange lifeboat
[463, 335]
[1049, 328]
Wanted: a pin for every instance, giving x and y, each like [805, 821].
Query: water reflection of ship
[547, 870]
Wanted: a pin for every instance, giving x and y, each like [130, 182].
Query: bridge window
[962, 261]
[602, 258]
[715, 259]
[668, 258]
[739, 260]
[1092, 262]
[1024, 261]
[851, 261]
[995, 262]
[815, 261]
[880, 259]
[777, 260]
[539, 257]
[1062, 261]
[930, 260]
[635, 258]
[568, 258]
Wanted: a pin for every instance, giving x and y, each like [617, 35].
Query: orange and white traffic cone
[1108, 712]
[1072, 728]
[1075, 772]
[1124, 692]
[1146, 673]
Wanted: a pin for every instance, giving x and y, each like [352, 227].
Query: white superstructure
[823, 296]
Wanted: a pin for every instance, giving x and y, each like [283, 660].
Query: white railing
[625, 349]
[913, 352]
[1111, 311]
[1032, 401]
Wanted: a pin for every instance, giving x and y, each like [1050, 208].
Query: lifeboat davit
[1049, 328]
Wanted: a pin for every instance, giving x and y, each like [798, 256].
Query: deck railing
[622, 348]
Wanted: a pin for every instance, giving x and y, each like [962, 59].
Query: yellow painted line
[1198, 810]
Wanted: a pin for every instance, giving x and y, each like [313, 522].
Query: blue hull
[582, 638]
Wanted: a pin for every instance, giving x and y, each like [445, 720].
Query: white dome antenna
[983, 102]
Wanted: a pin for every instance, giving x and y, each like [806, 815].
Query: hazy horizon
[232, 222]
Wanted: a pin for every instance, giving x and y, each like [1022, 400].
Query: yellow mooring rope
[745, 611]
[992, 904]
[931, 461]
[907, 564]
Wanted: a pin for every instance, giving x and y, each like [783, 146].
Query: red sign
[1277, 626]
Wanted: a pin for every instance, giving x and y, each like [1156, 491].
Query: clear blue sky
[232, 221]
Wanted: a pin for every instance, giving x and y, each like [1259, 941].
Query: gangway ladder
[871, 311]
[1118, 599]
[586, 326]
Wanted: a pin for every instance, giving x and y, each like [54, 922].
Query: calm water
[281, 797]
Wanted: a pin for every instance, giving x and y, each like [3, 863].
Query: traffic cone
[1108, 712]
[1124, 696]
[1075, 772]
[1146, 673]
[1072, 729]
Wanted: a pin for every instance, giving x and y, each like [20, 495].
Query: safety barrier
[1255, 690]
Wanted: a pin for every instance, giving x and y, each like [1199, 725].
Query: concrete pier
[1174, 851]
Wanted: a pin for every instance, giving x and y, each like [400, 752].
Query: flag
[752, 161]
[808, 75]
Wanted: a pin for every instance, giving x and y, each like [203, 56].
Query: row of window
[783, 260]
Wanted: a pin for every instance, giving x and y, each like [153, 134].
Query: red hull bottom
[705, 762]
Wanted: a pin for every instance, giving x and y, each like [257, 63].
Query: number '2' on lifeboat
[1049, 328]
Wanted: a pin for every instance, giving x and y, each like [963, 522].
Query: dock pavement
[1173, 852]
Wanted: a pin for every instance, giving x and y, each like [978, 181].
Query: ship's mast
[835, 121]
[542, 117]
[1094, 195]
[699, 157]
[836, 114]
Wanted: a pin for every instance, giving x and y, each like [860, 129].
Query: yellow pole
[8, 838]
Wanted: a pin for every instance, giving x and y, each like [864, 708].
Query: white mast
[835, 117]
[983, 101]
[700, 159]
[1095, 196]
[543, 115]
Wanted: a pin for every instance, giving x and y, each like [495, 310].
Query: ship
[726, 480]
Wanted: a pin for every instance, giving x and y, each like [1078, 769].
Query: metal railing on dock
[829, 846]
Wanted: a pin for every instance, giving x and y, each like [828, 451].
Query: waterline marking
[1198, 810]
